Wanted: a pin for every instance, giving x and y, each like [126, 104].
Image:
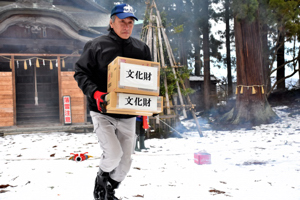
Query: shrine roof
[80, 14]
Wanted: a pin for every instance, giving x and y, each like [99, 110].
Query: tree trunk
[299, 65]
[265, 55]
[182, 44]
[280, 61]
[206, 56]
[198, 62]
[183, 52]
[228, 57]
[252, 107]
[196, 39]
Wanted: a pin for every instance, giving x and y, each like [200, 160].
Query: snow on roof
[201, 78]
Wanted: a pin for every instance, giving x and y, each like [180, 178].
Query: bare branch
[281, 66]
[283, 79]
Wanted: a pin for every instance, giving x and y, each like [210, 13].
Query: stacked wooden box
[133, 87]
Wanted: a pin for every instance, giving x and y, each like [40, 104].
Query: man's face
[122, 27]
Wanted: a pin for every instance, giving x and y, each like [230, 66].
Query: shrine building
[40, 40]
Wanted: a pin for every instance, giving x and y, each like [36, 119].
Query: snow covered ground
[258, 164]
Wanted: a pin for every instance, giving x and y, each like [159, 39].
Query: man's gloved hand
[100, 100]
[155, 114]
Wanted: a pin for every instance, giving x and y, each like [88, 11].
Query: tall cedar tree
[251, 107]
[196, 38]
[299, 65]
[280, 74]
[206, 52]
[228, 56]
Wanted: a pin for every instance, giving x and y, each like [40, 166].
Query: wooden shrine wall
[70, 88]
[6, 99]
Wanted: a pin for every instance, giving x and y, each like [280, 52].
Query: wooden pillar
[59, 90]
[14, 89]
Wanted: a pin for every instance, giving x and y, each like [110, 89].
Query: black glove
[155, 114]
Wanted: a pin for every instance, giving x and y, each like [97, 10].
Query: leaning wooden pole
[149, 35]
[192, 110]
[154, 35]
[170, 58]
[154, 41]
[172, 62]
[162, 61]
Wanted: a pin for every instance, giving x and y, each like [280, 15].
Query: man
[115, 132]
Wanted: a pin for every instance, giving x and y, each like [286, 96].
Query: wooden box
[133, 104]
[133, 76]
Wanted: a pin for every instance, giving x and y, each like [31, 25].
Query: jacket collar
[115, 37]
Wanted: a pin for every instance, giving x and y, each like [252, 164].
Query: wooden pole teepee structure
[156, 38]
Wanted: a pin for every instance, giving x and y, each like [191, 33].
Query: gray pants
[117, 139]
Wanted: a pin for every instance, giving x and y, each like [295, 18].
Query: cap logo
[128, 9]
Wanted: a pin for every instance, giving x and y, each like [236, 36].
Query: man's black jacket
[91, 68]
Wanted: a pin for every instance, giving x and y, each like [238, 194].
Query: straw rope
[37, 61]
[241, 90]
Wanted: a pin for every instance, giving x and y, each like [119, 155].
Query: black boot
[136, 144]
[110, 189]
[100, 185]
[142, 143]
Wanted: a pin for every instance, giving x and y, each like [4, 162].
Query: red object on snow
[201, 158]
[79, 157]
[145, 122]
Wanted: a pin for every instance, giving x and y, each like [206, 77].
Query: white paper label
[137, 102]
[139, 76]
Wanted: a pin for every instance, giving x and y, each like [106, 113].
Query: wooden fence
[6, 99]
[70, 88]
